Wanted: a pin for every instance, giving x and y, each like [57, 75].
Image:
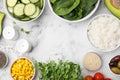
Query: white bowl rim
[28, 60]
[80, 20]
[17, 20]
[88, 27]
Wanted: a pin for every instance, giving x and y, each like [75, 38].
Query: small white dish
[82, 19]
[10, 33]
[17, 20]
[88, 60]
[6, 60]
[112, 48]
[23, 46]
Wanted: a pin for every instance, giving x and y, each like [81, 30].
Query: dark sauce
[3, 59]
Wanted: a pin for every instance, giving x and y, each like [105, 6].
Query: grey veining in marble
[53, 39]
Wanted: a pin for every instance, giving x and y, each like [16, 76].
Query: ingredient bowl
[92, 61]
[24, 10]
[3, 60]
[73, 10]
[115, 64]
[104, 32]
[22, 69]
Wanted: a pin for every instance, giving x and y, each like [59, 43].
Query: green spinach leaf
[88, 6]
[63, 7]
[73, 9]
[74, 15]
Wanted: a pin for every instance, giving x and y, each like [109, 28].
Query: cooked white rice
[104, 32]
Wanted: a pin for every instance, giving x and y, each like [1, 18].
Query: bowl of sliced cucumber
[24, 10]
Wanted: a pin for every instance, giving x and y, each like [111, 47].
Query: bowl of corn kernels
[22, 69]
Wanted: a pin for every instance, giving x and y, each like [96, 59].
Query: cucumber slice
[41, 4]
[11, 3]
[10, 9]
[19, 9]
[34, 1]
[25, 19]
[30, 9]
[18, 2]
[19, 17]
[25, 1]
[36, 13]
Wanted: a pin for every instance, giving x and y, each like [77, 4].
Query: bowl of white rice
[104, 32]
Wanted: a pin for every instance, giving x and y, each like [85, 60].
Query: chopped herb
[22, 29]
[59, 71]
[27, 32]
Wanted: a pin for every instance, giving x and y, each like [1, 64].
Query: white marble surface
[53, 39]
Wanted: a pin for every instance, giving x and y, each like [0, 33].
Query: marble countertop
[54, 39]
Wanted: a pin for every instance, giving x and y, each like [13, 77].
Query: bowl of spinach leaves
[73, 10]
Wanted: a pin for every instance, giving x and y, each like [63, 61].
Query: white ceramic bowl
[82, 19]
[89, 28]
[29, 61]
[17, 20]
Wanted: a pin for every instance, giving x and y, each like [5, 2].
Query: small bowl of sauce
[3, 60]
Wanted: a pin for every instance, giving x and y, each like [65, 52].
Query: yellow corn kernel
[22, 69]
